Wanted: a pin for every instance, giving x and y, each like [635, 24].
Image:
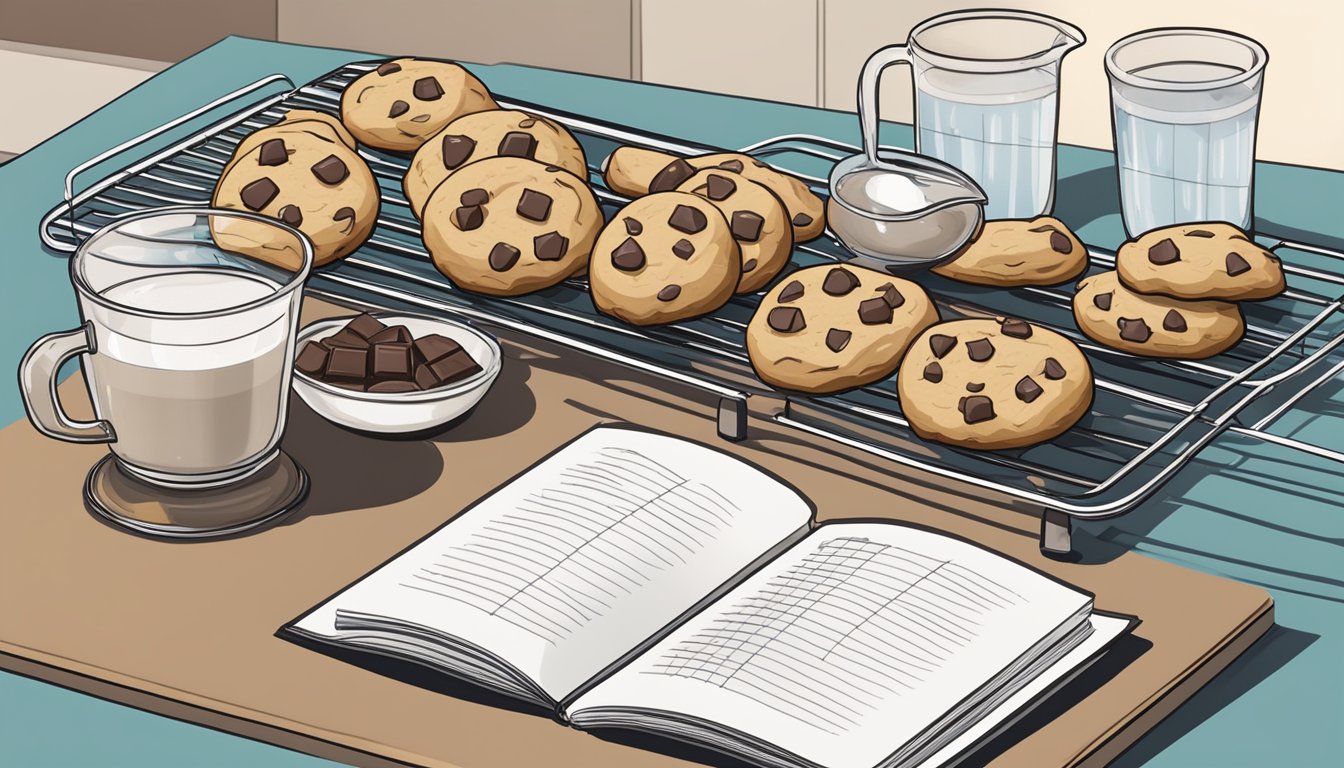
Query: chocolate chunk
[394, 385]
[837, 339]
[786, 319]
[801, 220]
[979, 350]
[669, 293]
[719, 187]
[1199, 233]
[888, 293]
[395, 333]
[456, 150]
[291, 215]
[391, 360]
[427, 89]
[1236, 264]
[330, 170]
[1027, 389]
[527, 122]
[686, 219]
[273, 152]
[1053, 370]
[365, 325]
[683, 249]
[748, 265]
[458, 365]
[975, 386]
[671, 176]
[398, 109]
[347, 364]
[1061, 242]
[346, 338]
[1164, 252]
[503, 256]
[425, 378]
[312, 359]
[518, 144]
[632, 225]
[731, 165]
[388, 68]
[1018, 329]
[874, 312]
[746, 226]
[551, 246]
[628, 256]
[933, 372]
[469, 217]
[1134, 330]
[345, 214]
[421, 118]
[941, 344]
[793, 290]
[1103, 301]
[1174, 322]
[839, 281]
[435, 347]
[534, 205]
[475, 196]
[976, 408]
[259, 194]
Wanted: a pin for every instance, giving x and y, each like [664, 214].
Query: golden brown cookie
[993, 384]
[1012, 252]
[403, 102]
[1152, 325]
[830, 328]
[758, 221]
[1210, 260]
[306, 120]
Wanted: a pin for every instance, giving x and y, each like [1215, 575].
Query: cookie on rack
[1210, 260]
[498, 132]
[665, 257]
[1152, 325]
[507, 226]
[758, 220]
[993, 384]
[310, 121]
[403, 102]
[829, 328]
[1015, 252]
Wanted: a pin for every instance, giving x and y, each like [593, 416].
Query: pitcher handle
[37, 385]
[868, 96]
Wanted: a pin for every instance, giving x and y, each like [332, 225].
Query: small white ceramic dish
[402, 412]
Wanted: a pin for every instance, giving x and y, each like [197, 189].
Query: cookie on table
[403, 102]
[758, 221]
[664, 257]
[830, 328]
[498, 132]
[1210, 260]
[506, 226]
[993, 384]
[1013, 252]
[1152, 325]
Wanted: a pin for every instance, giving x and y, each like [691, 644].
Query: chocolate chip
[503, 256]
[975, 386]
[632, 226]
[398, 109]
[395, 333]
[534, 205]
[456, 150]
[291, 215]
[748, 265]
[628, 256]
[427, 89]
[1134, 330]
[330, 170]
[392, 361]
[671, 176]
[941, 344]
[839, 281]
[683, 249]
[394, 385]
[746, 226]
[719, 187]
[273, 152]
[1053, 370]
[874, 312]
[793, 290]
[1103, 301]
[1018, 329]
[551, 246]
[801, 220]
[469, 217]
[345, 214]
[669, 293]
[1174, 322]
[976, 408]
[312, 360]
[433, 347]
[933, 372]
[475, 196]
[1199, 233]
[888, 293]
[259, 194]
[837, 339]
[731, 165]
[348, 364]
[980, 350]
[388, 68]
[1060, 242]
[527, 122]
[686, 219]
[1164, 252]
[1027, 389]
[1236, 264]
[518, 144]
[786, 319]
[366, 326]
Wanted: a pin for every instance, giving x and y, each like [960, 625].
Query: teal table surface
[1246, 510]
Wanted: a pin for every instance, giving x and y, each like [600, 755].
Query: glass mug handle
[868, 96]
[37, 385]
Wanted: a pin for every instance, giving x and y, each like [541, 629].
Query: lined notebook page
[849, 645]
[584, 557]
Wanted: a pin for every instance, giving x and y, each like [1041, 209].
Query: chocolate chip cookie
[506, 226]
[310, 121]
[403, 102]
[993, 384]
[1152, 325]
[664, 257]
[1012, 252]
[498, 132]
[1200, 261]
[830, 328]
[758, 221]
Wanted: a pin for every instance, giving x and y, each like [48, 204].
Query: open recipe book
[640, 581]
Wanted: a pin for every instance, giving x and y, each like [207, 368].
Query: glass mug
[187, 342]
[987, 100]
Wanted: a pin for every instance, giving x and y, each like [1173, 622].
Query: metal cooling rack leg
[1056, 533]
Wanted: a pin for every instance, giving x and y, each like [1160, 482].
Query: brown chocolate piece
[686, 219]
[345, 213]
[874, 312]
[534, 205]
[456, 150]
[837, 339]
[425, 378]
[746, 226]
[683, 249]
[469, 217]
[366, 326]
[632, 226]
[1053, 370]
[346, 338]
[291, 215]
[1027, 390]
[330, 170]
[388, 68]
[434, 347]
[669, 293]
[347, 364]
[398, 108]
[1060, 243]
[1174, 322]
[975, 386]
[391, 360]
[312, 359]
[748, 265]
[551, 246]
[476, 196]
[628, 256]
[839, 281]
[1164, 253]
[671, 176]
[731, 165]
[1103, 301]
[976, 408]
[1134, 329]
[1016, 328]
[1236, 264]
[394, 333]
[258, 194]
[719, 187]
[933, 372]
[793, 290]
[786, 319]
[941, 344]
[458, 365]
[801, 220]
[427, 89]
[503, 256]
[518, 144]
[273, 152]
[979, 350]
[394, 385]
[1199, 233]
[888, 293]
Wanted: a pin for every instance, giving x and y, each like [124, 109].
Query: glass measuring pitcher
[987, 100]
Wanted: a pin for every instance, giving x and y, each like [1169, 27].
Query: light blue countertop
[1247, 510]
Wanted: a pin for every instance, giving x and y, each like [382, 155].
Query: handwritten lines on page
[570, 550]
[853, 623]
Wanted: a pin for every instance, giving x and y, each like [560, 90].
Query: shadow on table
[1085, 197]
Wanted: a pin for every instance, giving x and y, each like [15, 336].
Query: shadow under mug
[189, 317]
